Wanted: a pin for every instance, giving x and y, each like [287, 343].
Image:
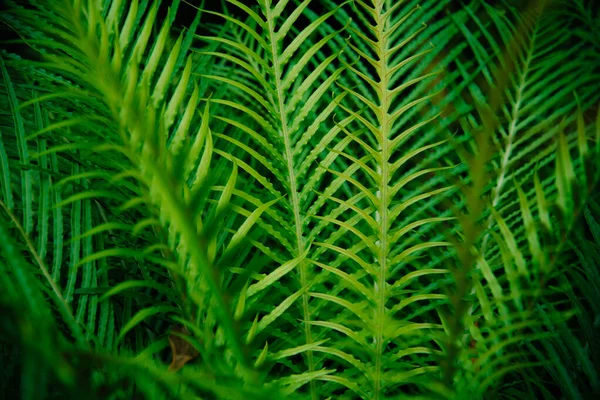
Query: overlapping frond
[370, 198]
[505, 307]
[283, 128]
[146, 118]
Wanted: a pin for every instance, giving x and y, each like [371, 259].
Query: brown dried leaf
[182, 350]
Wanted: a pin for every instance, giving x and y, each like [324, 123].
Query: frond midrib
[293, 195]
[381, 215]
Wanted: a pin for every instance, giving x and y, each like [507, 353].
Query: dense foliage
[370, 199]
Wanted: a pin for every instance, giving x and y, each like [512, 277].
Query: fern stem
[61, 302]
[512, 133]
[381, 216]
[300, 249]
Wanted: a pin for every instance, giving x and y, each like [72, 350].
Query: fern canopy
[307, 199]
